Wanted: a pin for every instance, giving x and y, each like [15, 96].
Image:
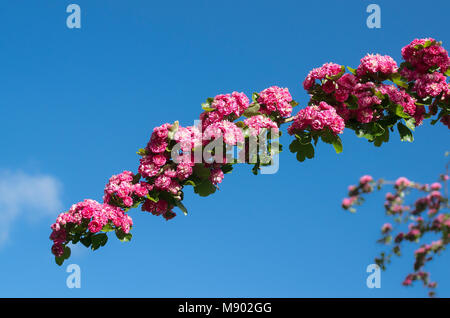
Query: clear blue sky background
[77, 104]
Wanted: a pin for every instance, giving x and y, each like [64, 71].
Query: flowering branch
[436, 222]
[177, 156]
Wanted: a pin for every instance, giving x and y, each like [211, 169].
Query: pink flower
[399, 96]
[423, 58]
[57, 249]
[184, 170]
[347, 202]
[226, 104]
[402, 182]
[365, 179]
[327, 69]
[387, 227]
[317, 118]
[275, 99]
[229, 131]
[216, 176]
[258, 123]
[372, 64]
[162, 182]
[431, 85]
[159, 160]
[95, 226]
[147, 168]
[436, 186]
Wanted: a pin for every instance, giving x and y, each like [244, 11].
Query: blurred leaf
[405, 133]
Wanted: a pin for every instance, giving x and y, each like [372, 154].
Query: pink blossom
[372, 64]
[317, 118]
[402, 182]
[327, 69]
[57, 249]
[365, 179]
[216, 176]
[275, 99]
[259, 122]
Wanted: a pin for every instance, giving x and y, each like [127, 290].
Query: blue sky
[77, 104]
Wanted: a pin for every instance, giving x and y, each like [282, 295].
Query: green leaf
[142, 152]
[295, 146]
[66, 253]
[201, 171]
[447, 72]
[252, 110]
[397, 79]
[207, 108]
[181, 207]
[255, 97]
[190, 182]
[153, 196]
[293, 103]
[337, 144]
[136, 178]
[172, 131]
[303, 150]
[337, 76]
[127, 237]
[227, 168]
[300, 156]
[405, 133]
[59, 260]
[99, 240]
[410, 123]
[205, 188]
[382, 138]
[122, 236]
[400, 112]
[240, 124]
[108, 228]
[86, 240]
[351, 70]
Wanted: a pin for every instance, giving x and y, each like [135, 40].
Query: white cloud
[37, 195]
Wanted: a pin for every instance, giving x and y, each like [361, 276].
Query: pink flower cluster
[431, 85]
[427, 61]
[216, 176]
[320, 73]
[399, 96]
[96, 216]
[121, 186]
[225, 105]
[317, 118]
[161, 207]
[275, 99]
[345, 86]
[229, 131]
[258, 123]
[366, 99]
[188, 138]
[373, 64]
[402, 182]
[422, 59]
[386, 228]
[339, 90]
